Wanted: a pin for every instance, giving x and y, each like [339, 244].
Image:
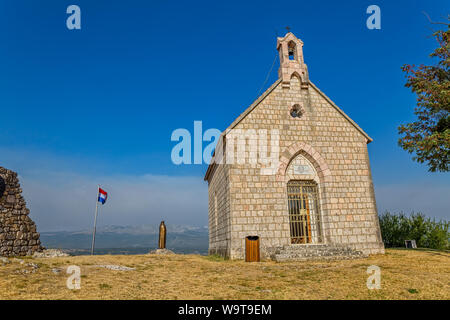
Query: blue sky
[98, 105]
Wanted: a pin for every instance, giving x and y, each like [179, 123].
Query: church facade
[315, 196]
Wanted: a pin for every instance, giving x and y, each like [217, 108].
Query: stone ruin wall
[18, 235]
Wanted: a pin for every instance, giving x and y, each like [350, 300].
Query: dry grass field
[405, 274]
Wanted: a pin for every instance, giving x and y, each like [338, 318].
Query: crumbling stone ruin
[18, 235]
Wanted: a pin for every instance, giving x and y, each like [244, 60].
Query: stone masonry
[324, 142]
[18, 235]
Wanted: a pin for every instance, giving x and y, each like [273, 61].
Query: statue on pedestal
[162, 241]
[162, 236]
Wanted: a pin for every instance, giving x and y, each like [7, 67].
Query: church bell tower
[290, 49]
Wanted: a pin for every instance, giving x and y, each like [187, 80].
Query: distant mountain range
[128, 240]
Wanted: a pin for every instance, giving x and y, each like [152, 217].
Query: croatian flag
[102, 195]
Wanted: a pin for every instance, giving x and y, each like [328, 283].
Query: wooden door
[252, 249]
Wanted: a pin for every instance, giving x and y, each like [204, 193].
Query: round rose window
[297, 111]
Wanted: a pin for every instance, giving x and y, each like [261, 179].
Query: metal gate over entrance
[304, 216]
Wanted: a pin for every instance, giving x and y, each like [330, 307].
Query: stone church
[318, 201]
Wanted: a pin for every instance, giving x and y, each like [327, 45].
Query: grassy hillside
[405, 274]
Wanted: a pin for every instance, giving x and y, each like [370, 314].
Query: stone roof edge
[253, 105]
[369, 139]
[242, 116]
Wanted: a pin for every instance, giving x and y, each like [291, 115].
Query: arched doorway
[304, 212]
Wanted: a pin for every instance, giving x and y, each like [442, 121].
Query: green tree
[419, 228]
[438, 235]
[429, 136]
[396, 228]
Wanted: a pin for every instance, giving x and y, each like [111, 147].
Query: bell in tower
[290, 49]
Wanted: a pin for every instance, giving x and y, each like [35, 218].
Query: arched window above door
[301, 168]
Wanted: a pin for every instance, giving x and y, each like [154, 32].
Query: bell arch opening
[292, 50]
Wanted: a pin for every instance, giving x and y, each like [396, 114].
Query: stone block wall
[219, 211]
[18, 235]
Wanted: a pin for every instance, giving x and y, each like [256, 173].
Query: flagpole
[95, 221]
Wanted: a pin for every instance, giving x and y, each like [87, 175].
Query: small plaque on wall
[303, 169]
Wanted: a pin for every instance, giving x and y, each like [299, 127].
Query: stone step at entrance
[308, 252]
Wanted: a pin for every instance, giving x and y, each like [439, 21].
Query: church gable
[294, 90]
[275, 106]
[297, 107]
